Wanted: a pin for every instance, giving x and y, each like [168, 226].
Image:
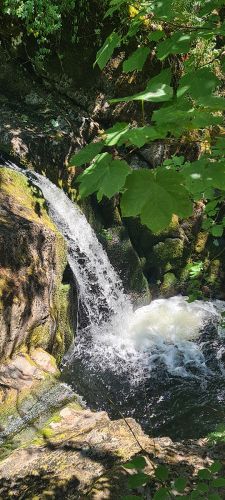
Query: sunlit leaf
[114, 134]
[137, 60]
[157, 92]
[198, 83]
[87, 153]
[178, 43]
[106, 177]
[106, 51]
[155, 197]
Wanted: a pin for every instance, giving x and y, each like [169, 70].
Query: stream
[163, 364]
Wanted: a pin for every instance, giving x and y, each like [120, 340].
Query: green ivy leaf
[138, 480]
[178, 43]
[136, 463]
[155, 197]
[162, 473]
[180, 484]
[87, 154]
[106, 51]
[105, 176]
[137, 60]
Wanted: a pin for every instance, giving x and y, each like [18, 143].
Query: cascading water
[153, 362]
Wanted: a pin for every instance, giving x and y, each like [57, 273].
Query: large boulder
[34, 305]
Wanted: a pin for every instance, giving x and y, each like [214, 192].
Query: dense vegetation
[186, 39]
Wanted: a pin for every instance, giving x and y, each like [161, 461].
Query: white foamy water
[163, 334]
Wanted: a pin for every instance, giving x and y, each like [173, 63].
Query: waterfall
[115, 338]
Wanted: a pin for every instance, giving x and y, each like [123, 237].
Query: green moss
[40, 336]
[64, 334]
[168, 285]
[214, 273]
[170, 249]
[28, 198]
[201, 241]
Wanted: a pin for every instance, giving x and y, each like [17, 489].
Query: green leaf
[86, 154]
[202, 487]
[177, 117]
[106, 177]
[213, 103]
[180, 484]
[218, 482]
[198, 83]
[204, 474]
[214, 496]
[141, 135]
[178, 43]
[138, 480]
[216, 466]
[219, 147]
[217, 230]
[106, 51]
[137, 60]
[162, 473]
[158, 92]
[155, 36]
[136, 463]
[196, 495]
[115, 133]
[161, 494]
[155, 197]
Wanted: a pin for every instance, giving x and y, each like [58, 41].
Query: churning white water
[116, 338]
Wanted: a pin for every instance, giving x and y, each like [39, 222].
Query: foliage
[207, 484]
[187, 93]
[43, 20]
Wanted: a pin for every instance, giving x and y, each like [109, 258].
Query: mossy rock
[32, 262]
[168, 287]
[168, 250]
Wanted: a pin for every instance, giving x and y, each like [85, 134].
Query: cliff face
[32, 261]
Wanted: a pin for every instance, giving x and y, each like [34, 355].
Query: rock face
[77, 454]
[32, 261]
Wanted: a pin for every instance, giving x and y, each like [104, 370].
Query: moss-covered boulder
[34, 308]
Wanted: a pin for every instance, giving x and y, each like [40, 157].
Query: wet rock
[127, 263]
